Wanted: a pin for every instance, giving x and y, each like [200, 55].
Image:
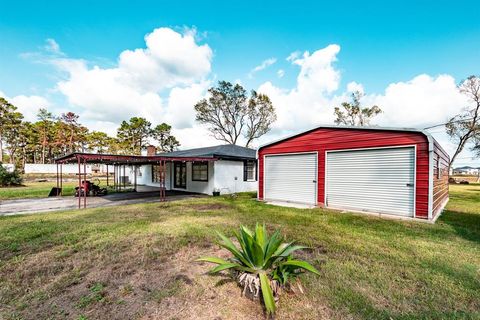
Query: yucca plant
[261, 264]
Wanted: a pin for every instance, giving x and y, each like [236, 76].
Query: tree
[28, 141]
[8, 114]
[167, 142]
[72, 130]
[353, 114]
[260, 116]
[45, 124]
[465, 127]
[98, 141]
[11, 133]
[228, 112]
[133, 135]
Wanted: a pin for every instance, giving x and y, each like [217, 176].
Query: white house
[232, 169]
[466, 170]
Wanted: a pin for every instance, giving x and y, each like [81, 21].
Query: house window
[200, 171]
[155, 173]
[249, 173]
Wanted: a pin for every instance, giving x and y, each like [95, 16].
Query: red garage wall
[325, 139]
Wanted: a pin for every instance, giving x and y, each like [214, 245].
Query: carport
[118, 163]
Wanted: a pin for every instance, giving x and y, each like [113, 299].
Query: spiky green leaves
[268, 257]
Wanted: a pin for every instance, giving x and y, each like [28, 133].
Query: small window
[200, 171]
[249, 170]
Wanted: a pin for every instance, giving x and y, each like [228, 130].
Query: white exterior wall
[225, 173]
[221, 175]
[197, 186]
[52, 168]
[66, 168]
[9, 167]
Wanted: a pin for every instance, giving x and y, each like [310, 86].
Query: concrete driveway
[40, 205]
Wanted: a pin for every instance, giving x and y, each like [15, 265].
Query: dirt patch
[210, 207]
[132, 281]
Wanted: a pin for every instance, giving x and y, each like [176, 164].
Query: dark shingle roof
[227, 151]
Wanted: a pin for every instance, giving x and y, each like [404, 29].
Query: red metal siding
[325, 139]
[440, 178]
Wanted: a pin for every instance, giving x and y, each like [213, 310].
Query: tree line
[228, 112]
[52, 136]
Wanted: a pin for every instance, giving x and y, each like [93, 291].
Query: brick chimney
[151, 150]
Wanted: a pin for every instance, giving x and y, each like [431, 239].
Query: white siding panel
[376, 180]
[291, 177]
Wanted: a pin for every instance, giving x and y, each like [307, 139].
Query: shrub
[261, 264]
[9, 178]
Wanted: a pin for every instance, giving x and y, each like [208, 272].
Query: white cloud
[52, 46]
[293, 56]
[419, 102]
[194, 137]
[134, 87]
[28, 105]
[280, 73]
[179, 112]
[265, 64]
[354, 87]
[309, 102]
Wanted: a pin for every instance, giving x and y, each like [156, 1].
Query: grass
[137, 261]
[35, 190]
[41, 189]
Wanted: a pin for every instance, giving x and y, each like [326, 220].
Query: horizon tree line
[52, 136]
[228, 112]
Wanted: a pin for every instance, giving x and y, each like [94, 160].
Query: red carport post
[135, 177]
[56, 192]
[107, 174]
[85, 182]
[124, 180]
[61, 179]
[79, 183]
[161, 169]
[162, 196]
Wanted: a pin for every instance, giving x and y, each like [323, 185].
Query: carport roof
[125, 159]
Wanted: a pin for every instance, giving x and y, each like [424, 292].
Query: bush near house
[9, 178]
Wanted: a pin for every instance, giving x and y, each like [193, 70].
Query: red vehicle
[89, 188]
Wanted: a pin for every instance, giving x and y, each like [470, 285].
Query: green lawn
[35, 190]
[136, 262]
[41, 189]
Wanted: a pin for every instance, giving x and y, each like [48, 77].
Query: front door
[180, 175]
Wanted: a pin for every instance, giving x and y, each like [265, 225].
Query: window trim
[200, 163]
[245, 170]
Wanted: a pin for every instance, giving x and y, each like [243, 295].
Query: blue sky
[380, 44]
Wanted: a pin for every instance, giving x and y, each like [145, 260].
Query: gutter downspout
[431, 149]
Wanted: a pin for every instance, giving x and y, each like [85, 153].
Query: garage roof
[340, 127]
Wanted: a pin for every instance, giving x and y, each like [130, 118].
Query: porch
[118, 165]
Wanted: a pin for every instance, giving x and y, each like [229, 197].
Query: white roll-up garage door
[291, 178]
[377, 180]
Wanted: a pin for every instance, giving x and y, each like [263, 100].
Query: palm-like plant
[261, 262]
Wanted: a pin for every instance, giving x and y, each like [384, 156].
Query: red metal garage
[392, 171]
